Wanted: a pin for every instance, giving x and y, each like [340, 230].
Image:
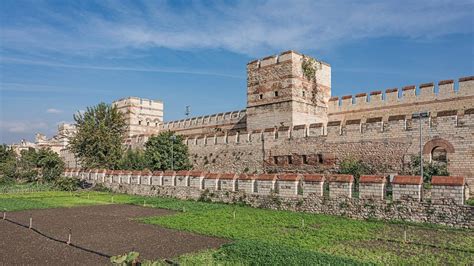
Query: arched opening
[438, 150]
[439, 155]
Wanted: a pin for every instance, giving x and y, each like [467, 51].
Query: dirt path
[106, 229]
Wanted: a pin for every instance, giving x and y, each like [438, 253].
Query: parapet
[425, 92]
[208, 120]
[277, 59]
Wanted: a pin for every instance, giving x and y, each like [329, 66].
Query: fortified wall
[292, 125]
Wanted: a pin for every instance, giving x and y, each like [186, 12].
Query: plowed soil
[98, 232]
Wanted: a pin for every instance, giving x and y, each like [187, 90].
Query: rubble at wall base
[459, 216]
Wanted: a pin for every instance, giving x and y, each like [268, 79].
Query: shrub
[67, 184]
[356, 168]
[101, 188]
[429, 169]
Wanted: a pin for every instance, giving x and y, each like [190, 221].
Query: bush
[429, 169]
[67, 184]
[101, 188]
[356, 168]
[470, 202]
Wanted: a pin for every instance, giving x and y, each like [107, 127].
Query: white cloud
[22, 126]
[53, 111]
[111, 68]
[246, 27]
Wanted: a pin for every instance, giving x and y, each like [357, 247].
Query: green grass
[278, 237]
[23, 188]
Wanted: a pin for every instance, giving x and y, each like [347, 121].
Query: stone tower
[143, 116]
[286, 90]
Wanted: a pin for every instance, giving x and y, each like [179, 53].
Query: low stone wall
[460, 216]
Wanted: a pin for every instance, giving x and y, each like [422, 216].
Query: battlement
[337, 130]
[214, 120]
[136, 100]
[408, 96]
[286, 56]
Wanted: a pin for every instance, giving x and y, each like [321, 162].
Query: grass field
[279, 237]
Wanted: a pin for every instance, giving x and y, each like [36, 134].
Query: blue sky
[58, 57]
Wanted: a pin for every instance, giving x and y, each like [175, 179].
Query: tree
[99, 138]
[167, 151]
[133, 160]
[429, 169]
[7, 164]
[50, 164]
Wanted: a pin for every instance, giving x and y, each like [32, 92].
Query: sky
[58, 57]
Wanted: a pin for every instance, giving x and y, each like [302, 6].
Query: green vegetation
[429, 169]
[99, 137]
[100, 134]
[7, 164]
[12, 187]
[470, 202]
[167, 151]
[309, 67]
[354, 167]
[280, 237]
[32, 166]
[133, 160]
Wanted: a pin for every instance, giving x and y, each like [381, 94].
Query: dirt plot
[107, 229]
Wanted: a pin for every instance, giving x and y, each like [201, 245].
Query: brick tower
[286, 90]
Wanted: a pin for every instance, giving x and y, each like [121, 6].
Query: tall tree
[99, 138]
[133, 160]
[167, 151]
[7, 164]
[50, 163]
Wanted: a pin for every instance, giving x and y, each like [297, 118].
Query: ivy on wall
[310, 66]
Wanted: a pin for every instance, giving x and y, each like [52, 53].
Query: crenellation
[375, 98]
[466, 86]
[361, 99]
[409, 93]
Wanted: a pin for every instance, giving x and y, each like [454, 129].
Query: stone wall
[340, 186]
[446, 212]
[372, 187]
[407, 187]
[387, 146]
[410, 211]
[448, 190]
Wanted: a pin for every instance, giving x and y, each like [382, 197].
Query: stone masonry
[340, 186]
[408, 209]
[372, 187]
[407, 188]
[292, 124]
[448, 189]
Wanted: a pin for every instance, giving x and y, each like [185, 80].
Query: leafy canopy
[133, 160]
[99, 137]
[29, 165]
[7, 164]
[167, 151]
[429, 169]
